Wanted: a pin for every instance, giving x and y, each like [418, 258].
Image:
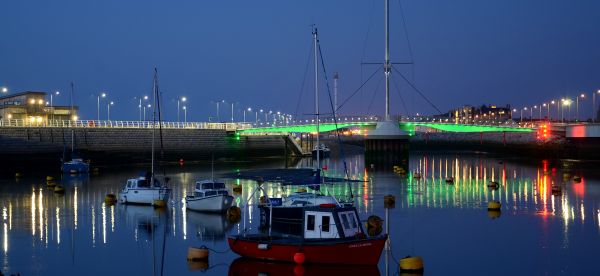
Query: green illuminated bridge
[410, 127]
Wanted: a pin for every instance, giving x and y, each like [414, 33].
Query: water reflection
[243, 266]
[38, 223]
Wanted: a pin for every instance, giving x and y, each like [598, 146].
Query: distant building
[32, 107]
[486, 114]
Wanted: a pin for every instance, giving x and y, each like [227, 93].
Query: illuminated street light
[185, 114]
[145, 97]
[577, 106]
[182, 99]
[52, 104]
[4, 90]
[103, 95]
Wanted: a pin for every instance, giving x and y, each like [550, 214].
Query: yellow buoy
[493, 184]
[494, 205]
[577, 178]
[19, 174]
[110, 199]
[197, 253]
[389, 202]
[416, 175]
[237, 189]
[409, 263]
[198, 265]
[302, 190]
[234, 214]
[49, 178]
[59, 189]
[51, 184]
[450, 180]
[159, 203]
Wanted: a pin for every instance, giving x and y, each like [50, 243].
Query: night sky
[255, 53]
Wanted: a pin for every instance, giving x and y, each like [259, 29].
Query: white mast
[335, 92]
[315, 40]
[387, 66]
[154, 92]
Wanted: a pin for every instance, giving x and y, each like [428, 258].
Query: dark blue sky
[255, 52]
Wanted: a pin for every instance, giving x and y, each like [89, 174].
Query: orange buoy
[197, 253]
[411, 264]
[299, 258]
[181, 162]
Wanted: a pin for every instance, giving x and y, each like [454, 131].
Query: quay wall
[126, 145]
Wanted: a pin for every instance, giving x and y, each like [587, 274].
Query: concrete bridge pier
[386, 147]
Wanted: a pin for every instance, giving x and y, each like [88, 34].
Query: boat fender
[411, 264]
[159, 203]
[234, 214]
[299, 258]
[374, 225]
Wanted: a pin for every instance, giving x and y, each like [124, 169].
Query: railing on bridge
[123, 124]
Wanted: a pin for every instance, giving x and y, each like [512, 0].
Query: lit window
[325, 223]
[310, 222]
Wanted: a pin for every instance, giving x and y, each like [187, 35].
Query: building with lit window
[485, 114]
[32, 107]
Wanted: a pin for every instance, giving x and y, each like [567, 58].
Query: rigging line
[337, 131]
[405, 31]
[160, 129]
[374, 94]
[365, 44]
[304, 79]
[417, 90]
[359, 88]
[400, 95]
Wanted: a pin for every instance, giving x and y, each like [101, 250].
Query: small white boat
[209, 196]
[322, 149]
[304, 199]
[141, 191]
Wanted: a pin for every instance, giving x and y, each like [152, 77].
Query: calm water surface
[536, 232]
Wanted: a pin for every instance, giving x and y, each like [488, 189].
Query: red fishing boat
[331, 235]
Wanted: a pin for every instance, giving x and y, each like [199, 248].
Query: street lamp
[103, 95]
[577, 106]
[140, 106]
[567, 102]
[185, 114]
[149, 106]
[548, 113]
[52, 105]
[232, 111]
[108, 109]
[183, 99]
[249, 110]
[4, 90]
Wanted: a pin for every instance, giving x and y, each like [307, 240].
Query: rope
[303, 80]
[359, 88]
[374, 94]
[417, 90]
[400, 95]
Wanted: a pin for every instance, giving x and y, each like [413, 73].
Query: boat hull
[143, 196]
[215, 204]
[75, 168]
[359, 251]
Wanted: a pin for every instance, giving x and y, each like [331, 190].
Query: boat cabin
[328, 221]
[141, 183]
[209, 188]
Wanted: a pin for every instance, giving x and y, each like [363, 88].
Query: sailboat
[323, 231]
[76, 165]
[146, 189]
[209, 196]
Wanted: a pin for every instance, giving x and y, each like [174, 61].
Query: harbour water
[448, 225]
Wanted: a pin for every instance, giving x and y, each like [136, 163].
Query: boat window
[207, 186]
[223, 192]
[210, 193]
[197, 186]
[325, 223]
[143, 183]
[199, 194]
[219, 186]
[310, 222]
[352, 220]
[345, 221]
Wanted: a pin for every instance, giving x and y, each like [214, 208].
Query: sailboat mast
[154, 92]
[72, 118]
[387, 66]
[315, 40]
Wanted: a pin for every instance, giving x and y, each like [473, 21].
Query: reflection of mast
[336, 77]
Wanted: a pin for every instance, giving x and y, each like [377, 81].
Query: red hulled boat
[331, 235]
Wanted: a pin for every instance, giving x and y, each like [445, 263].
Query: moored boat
[330, 236]
[75, 166]
[143, 190]
[322, 149]
[209, 196]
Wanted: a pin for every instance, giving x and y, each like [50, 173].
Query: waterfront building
[31, 107]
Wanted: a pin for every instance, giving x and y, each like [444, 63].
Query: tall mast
[154, 92]
[315, 41]
[387, 66]
[72, 117]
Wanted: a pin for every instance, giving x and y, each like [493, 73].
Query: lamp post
[108, 109]
[249, 110]
[185, 114]
[524, 108]
[232, 111]
[577, 106]
[535, 107]
[145, 97]
[4, 90]
[52, 104]
[149, 106]
[182, 99]
[103, 95]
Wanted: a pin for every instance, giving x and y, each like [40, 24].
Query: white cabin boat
[209, 196]
[141, 191]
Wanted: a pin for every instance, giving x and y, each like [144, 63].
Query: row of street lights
[560, 108]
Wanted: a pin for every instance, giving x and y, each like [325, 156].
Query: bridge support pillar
[386, 147]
